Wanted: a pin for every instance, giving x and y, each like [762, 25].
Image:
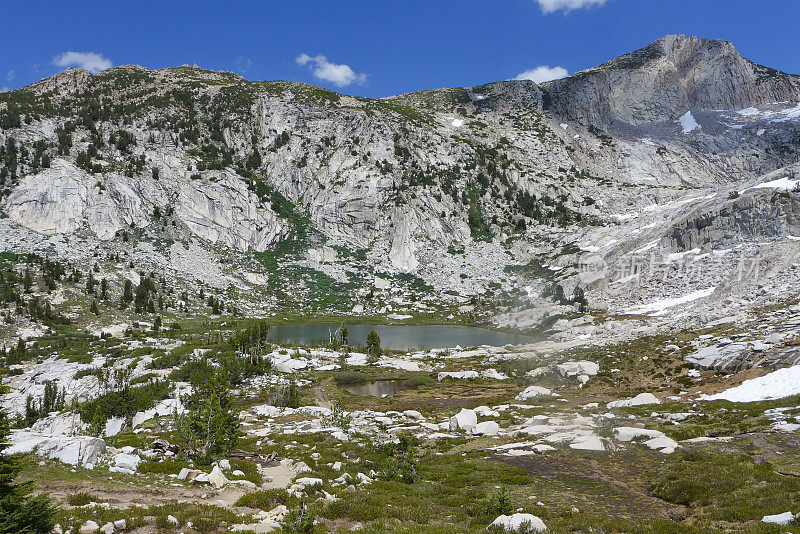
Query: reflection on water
[379, 388]
[400, 337]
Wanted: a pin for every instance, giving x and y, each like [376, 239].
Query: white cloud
[322, 69]
[243, 64]
[543, 73]
[86, 60]
[11, 75]
[4, 89]
[551, 6]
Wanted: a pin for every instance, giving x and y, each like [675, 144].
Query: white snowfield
[775, 385]
[784, 184]
[658, 307]
[773, 115]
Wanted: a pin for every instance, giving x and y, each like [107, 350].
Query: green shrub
[287, 396]
[499, 503]
[143, 379]
[167, 466]
[264, 499]
[300, 520]
[350, 378]
[420, 381]
[125, 402]
[91, 371]
[81, 499]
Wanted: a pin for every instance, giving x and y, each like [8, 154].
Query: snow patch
[688, 123]
[748, 112]
[789, 114]
[781, 183]
[659, 307]
[779, 519]
[775, 385]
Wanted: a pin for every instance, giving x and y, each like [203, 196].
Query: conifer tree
[373, 346]
[211, 428]
[19, 512]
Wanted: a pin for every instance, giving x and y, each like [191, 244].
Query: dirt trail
[124, 496]
[277, 477]
[319, 393]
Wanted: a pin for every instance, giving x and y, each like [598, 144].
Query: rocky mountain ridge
[666, 78]
[485, 197]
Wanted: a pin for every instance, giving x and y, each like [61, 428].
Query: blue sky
[377, 47]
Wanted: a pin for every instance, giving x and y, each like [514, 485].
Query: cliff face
[752, 215]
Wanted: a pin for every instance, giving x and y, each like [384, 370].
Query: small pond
[378, 388]
[400, 337]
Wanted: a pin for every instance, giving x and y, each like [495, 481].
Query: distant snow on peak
[659, 307]
[748, 112]
[688, 123]
[775, 112]
[784, 184]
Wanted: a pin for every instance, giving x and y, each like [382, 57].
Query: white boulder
[308, 481]
[113, 426]
[638, 400]
[486, 428]
[141, 417]
[464, 420]
[514, 522]
[629, 433]
[663, 444]
[290, 365]
[461, 375]
[569, 369]
[531, 392]
[588, 442]
[485, 411]
[216, 478]
[79, 450]
[494, 374]
[126, 463]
